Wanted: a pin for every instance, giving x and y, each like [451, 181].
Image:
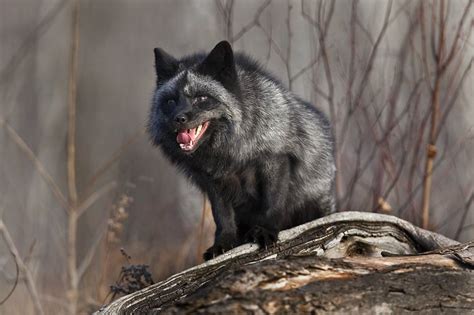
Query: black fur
[266, 159]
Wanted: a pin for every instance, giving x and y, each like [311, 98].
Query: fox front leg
[275, 177]
[226, 230]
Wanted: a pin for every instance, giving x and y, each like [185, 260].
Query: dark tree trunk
[346, 262]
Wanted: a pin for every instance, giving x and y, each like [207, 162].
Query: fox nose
[181, 118]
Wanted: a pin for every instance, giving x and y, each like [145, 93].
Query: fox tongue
[186, 136]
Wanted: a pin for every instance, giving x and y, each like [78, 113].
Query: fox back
[263, 156]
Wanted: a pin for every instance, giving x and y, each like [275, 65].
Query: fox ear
[220, 62]
[165, 65]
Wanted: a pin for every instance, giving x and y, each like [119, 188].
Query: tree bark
[345, 262]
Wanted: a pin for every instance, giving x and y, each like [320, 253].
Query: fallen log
[346, 262]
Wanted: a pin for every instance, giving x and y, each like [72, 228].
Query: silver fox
[263, 156]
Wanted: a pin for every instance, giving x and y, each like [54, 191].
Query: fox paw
[219, 247]
[262, 236]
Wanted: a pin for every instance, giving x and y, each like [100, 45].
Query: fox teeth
[198, 130]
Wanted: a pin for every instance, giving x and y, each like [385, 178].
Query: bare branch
[453, 50]
[86, 204]
[73, 278]
[31, 38]
[329, 96]
[17, 277]
[372, 56]
[274, 45]
[226, 12]
[30, 283]
[441, 66]
[288, 47]
[253, 23]
[424, 54]
[87, 260]
[319, 91]
[113, 158]
[467, 207]
[220, 7]
[72, 104]
[352, 72]
[452, 102]
[306, 68]
[45, 175]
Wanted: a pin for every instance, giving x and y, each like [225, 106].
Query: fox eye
[171, 102]
[200, 99]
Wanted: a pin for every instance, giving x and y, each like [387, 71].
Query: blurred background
[83, 192]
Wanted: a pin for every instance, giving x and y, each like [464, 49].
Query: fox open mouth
[188, 138]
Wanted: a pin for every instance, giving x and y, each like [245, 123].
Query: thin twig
[30, 283]
[113, 158]
[452, 102]
[73, 292]
[305, 68]
[87, 260]
[45, 175]
[92, 199]
[253, 23]
[453, 51]
[17, 276]
[467, 207]
[30, 40]
[322, 31]
[368, 71]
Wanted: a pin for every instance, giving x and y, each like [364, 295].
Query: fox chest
[238, 187]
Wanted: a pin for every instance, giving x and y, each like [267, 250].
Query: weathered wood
[311, 284]
[349, 261]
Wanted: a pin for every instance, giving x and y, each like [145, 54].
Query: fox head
[196, 99]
